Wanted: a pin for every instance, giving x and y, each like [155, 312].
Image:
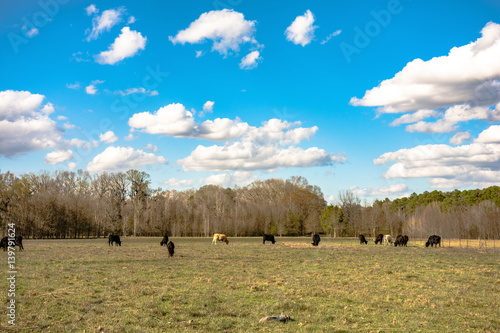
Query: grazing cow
[114, 239]
[362, 239]
[18, 241]
[316, 240]
[164, 241]
[221, 238]
[379, 239]
[399, 241]
[269, 238]
[433, 240]
[170, 248]
[405, 240]
[387, 239]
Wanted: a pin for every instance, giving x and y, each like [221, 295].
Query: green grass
[340, 286]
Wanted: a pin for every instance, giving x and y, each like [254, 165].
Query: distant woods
[77, 204]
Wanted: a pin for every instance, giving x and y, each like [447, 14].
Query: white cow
[387, 240]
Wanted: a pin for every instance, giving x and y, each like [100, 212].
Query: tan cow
[221, 238]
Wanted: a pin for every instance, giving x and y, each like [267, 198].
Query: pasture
[339, 286]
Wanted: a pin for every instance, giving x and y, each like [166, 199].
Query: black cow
[362, 239]
[379, 239]
[164, 241]
[269, 238]
[114, 239]
[18, 241]
[316, 240]
[433, 240]
[405, 240]
[170, 248]
[399, 241]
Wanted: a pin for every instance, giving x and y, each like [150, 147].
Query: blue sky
[383, 98]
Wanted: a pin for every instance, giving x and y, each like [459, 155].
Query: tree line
[467, 214]
[68, 204]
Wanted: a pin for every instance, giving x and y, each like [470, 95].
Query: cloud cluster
[227, 29]
[126, 45]
[476, 164]
[248, 156]
[268, 147]
[175, 120]
[452, 116]
[469, 74]
[301, 31]
[123, 158]
[462, 86]
[25, 125]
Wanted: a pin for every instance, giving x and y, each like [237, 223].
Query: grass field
[340, 286]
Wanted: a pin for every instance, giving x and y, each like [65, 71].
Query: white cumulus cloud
[460, 138]
[452, 116]
[175, 120]
[469, 74]
[208, 107]
[397, 190]
[240, 178]
[150, 147]
[268, 147]
[108, 137]
[91, 89]
[226, 28]
[176, 183]
[247, 148]
[414, 117]
[489, 135]
[91, 10]
[301, 31]
[58, 156]
[141, 90]
[476, 164]
[126, 45]
[104, 22]
[248, 156]
[25, 124]
[123, 158]
[250, 61]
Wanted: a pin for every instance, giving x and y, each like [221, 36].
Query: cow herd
[401, 240]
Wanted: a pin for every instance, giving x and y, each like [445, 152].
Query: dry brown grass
[76, 285]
